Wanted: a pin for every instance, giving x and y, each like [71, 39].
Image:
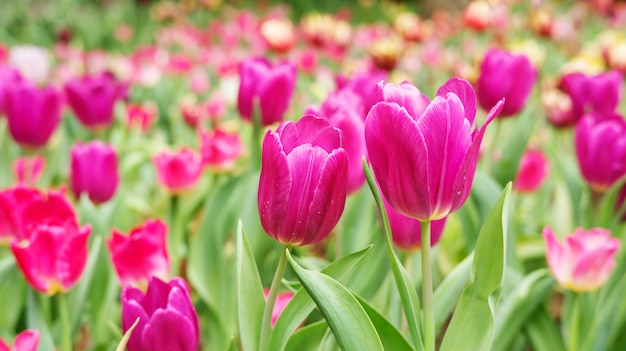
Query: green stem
[574, 322]
[403, 288]
[255, 145]
[176, 249]
[271, 299]
[427, 290]
[66, 327]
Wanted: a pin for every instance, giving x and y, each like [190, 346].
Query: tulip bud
[27, 340]
[601, 149]
[53, 253]
[585, 259]
[508, 76]
[167, 317]
[141, 254]
[271, 86]
[94, 171]
[302, 189]
[93, 98]
[533, 170]
[179, 171]
[33, 114]
[424, 153]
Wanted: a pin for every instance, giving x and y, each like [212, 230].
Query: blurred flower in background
[27, 340]
[94, 171]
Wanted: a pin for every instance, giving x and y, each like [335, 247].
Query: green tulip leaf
[301, 305]
[348, 321]
[543, 333]
[506, 168]
[249, 293]
[391, 338]
[448, 292]
[472, 324]
[308, 338]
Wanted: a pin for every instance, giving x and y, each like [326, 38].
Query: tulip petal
[156, 297]
[169, 330]
[399, 157]
[26, 341]
[554, 253]
[465, 174]
[448, 137]
[275, 93]
[406, 95]
[37, 258]
[273, 194]
[593, 268]
[251, 72]
[305, 166]
[465, 92]
[72, 257]
[309, 130]
[180, 301]
[130, 311]
[329, 197]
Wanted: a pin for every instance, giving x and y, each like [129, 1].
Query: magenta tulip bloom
[424, 153]
[267, 87]
[505, 75]
[342, 110]
[601, 149]
[406, 232]
[302, 190]
[140, 254]
[93, 98]
[533, 171]
[585, 259]
[364, 84]
[94, 171]
[167, 318]
[282, 300]
[178, 172]
[597, 94]
[33, 113]
[27, 340]
[220, 149]
[53, 254]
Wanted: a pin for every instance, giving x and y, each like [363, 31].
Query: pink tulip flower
[93, 98]
[179, 171]
[598, 94]
[282, 299]
[266, 88]
[141, 254]
[27, 170]
[53, 254]
[27, 340]
[424, 153]
[505, 75]
[8, 77]
[167, 317]
[364, 84]
[342, 110]
[220, 149]
[601, 149]
[33, 113]
[585, 259]
[302, 189]
[533, 171]
[94, 171]
[142, 116]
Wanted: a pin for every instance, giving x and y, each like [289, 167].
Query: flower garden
[208, 175]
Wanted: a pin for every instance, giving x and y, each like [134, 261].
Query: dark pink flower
[178, 171]
[220, 149]
[508, 76]
[93, 98]
[533, 171]
[265, 89]
[12, 203]
[424, 153]
[302, 189]
[27, 340]
[167, 317]
[93, 171]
